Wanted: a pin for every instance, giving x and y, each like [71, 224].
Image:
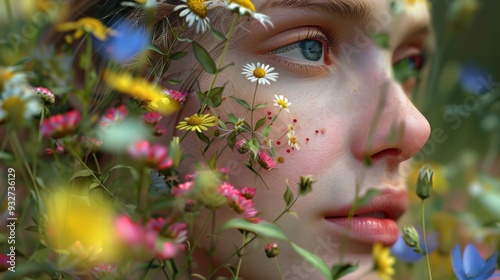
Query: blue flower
[128, 41]
[472, 267]
[475, 79]
[406, 254]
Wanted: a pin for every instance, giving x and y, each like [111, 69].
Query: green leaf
[174, 82]
[260, 123]
[216, 96]
[6, 156]
[212, 162]
[204, 58]
[232, 118]
[154, 48]
[262, 105]
[242, 102]
[314, 260]
[231, 140]
[218, 35]
[288, 195]
[81, 173]
[203, 137]
[222, 124]
[254, 146]
[224, 67]
[365, 199]
[266, 130]
[32, 228]
[264, 229]
[340, 270]
[178, 55]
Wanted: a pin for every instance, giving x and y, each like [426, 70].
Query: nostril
[387, 154]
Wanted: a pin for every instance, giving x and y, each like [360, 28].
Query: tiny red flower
[60, 125]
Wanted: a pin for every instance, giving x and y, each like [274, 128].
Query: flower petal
[456, 261]
[489, 267]
[473, 263]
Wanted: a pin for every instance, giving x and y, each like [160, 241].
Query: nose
[389, 127]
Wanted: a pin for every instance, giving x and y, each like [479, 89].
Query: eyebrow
[349, 10]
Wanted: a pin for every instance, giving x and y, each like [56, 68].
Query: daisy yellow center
[259, 73]
[197, 7]
[282, 103]
[13, 103]
[194, 120]
[293, 140]
[244, 3]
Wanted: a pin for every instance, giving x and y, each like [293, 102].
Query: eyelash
[326, 36]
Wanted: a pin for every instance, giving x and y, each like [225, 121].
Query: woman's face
[346, 107]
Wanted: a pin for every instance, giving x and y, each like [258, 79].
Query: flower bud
[48, 97]
[248, 192]
[424, 183]
[242, 146]
[272, 250]
[411, 237]
[305, 184]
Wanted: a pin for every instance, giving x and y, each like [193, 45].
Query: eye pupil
[311, 49]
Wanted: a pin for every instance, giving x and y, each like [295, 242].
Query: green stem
[279, 268]
[240, 260]
[195, 244]
[221, 60]
[75, 155]
[147, 269]
[223, 263]
[9, 14]
[425, 241]
[252, 108]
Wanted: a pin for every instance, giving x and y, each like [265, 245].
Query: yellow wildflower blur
[74, 220]
[85, 25]
[142, 90]
[383, 261]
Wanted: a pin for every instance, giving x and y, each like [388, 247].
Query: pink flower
[243, 206]
[104, 269]
[58, 150]
[242, 146]
[248, 192]
[158, 223]
[113, 116]
[159, 131]
[129, 232]
[48, 97]
[168, 250]
[182, 189]
[60, 125]
[154, 156]
[266, 161]
[178, 232]
[228, 190]
[176, 95]
[152, 118]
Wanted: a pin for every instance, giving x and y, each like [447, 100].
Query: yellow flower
[85, 25]
[75, 220]
[142, 90]
[197, 122]
[383, 261]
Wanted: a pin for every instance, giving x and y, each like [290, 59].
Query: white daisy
[283, 103]
[260, 73]
[292, 140]
[195, 11]
[18, 98]
[244, 8]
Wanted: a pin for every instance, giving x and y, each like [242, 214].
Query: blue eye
[311, 49]
[308, 50]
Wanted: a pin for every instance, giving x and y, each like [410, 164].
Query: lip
[378, 220]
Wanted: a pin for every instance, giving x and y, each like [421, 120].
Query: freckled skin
[334, 108]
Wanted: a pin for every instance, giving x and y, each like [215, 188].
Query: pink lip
[389, 204]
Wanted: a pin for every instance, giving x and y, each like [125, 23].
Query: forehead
[410, 13]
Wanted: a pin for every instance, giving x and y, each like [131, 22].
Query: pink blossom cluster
[239, 200]
[163, 237]
[60, 125]
[113, 116]
[153, 119]
[153, 155]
